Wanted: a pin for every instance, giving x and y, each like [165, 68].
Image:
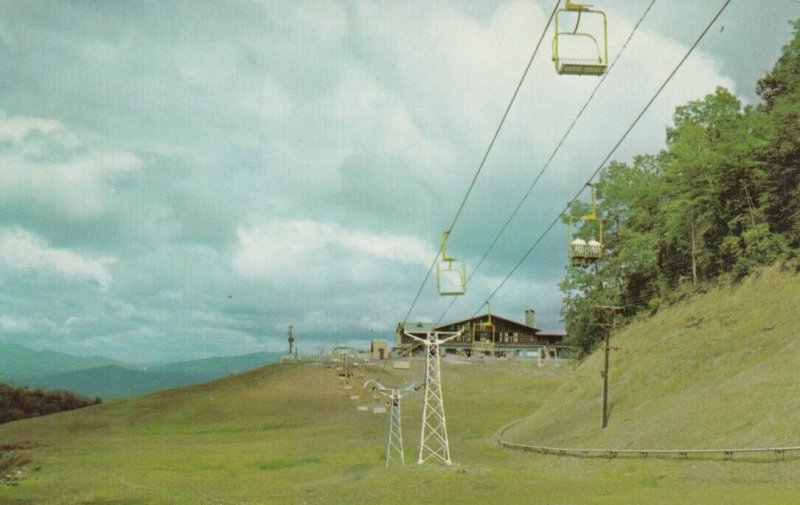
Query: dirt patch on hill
[14, 462]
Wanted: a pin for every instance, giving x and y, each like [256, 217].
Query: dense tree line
[22, 403]
[720, 200]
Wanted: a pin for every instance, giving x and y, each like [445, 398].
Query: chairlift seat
[451, 277]
[594, 249]
[580, 46]
[401, 364]
[577, 66]
[577, 248]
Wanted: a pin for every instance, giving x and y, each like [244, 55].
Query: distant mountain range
[97, 376]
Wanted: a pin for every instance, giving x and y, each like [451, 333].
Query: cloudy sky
[184, 179]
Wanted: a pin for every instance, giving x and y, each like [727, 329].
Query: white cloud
[17, 129]
[22, 250]
[453, 67]
[312, 251]
[11, 324]
[378, 119]
[326, 22]
[57, 167]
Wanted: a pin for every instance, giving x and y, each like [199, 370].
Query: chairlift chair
[582, 47]
[451, 274]
[484, 327]
[378, 404]
[582, 253]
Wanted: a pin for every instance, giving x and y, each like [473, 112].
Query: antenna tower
[394, 449]
[290, 339]
[433, 438]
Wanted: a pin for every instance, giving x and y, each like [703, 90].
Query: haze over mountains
[97, 376]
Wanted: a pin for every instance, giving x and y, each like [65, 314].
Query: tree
[780, 90]
[722, 199]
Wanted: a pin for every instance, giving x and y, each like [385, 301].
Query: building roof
[416, 327]
[495, 317]
[552, 333]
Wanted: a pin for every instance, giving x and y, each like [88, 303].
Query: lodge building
[486, 334]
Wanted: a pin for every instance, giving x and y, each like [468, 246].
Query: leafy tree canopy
[722, 199]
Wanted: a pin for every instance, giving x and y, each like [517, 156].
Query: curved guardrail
[780, 452]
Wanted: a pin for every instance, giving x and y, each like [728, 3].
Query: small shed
[379, 349]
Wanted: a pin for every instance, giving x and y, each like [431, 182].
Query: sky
[181, 179]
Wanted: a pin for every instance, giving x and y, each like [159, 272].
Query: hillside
[219, 366]
[16, 360]
[106, 378]
[717, 370]
[113, 381]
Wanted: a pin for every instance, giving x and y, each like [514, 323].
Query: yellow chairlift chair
[451, 274]
[581, 252]
[483, 334]
[580, 45]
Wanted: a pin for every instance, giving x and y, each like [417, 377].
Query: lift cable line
[552, 156]
[611, 153]
[485, 156]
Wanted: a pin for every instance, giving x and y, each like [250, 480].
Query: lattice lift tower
[394, 449]
[433, 438]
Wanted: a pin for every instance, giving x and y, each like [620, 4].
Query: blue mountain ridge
[105, 378]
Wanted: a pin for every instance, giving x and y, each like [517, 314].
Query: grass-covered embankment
[718, 370]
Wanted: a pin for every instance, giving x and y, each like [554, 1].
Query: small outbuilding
[379, 349]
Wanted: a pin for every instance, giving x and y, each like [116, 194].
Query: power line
[611, 153]
[552, 155]
[485, 157]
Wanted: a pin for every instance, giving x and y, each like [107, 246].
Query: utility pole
[609, 327]
[433, 437]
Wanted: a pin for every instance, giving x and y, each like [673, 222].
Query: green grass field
[718, 370]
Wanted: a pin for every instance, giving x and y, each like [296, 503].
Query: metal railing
[779, 452]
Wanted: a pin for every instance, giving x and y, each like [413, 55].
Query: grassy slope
[719, 371]
[288, 434]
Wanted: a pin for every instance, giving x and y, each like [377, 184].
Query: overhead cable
[485, 157]
[550, 159]
[611, 153]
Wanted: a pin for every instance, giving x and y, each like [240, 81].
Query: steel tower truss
[434, 444]
[394, 449]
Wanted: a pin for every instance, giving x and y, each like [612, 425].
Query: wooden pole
[604, 413]
[607, 348]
